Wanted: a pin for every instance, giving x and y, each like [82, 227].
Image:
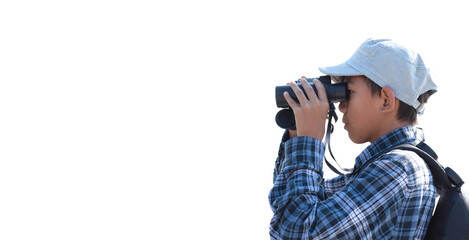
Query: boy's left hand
[311, 112]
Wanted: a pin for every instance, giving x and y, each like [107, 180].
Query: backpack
[450, 219]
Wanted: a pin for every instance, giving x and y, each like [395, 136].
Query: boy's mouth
[344, 121]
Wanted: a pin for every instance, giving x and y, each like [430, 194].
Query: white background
[155, 119]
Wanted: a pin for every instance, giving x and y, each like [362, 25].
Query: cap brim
[340, 70]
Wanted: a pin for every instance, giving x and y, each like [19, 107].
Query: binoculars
[286, 119]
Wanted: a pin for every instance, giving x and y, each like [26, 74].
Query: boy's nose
[343, 106]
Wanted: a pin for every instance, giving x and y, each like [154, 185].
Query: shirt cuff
[303, 152]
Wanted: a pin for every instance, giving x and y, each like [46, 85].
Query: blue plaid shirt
[391, 198]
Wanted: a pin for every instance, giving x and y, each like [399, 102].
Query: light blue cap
[388, 64]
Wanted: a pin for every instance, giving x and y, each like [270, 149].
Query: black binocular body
[286, 119]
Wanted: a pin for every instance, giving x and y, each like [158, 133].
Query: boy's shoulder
[401, 164]
[414, 167]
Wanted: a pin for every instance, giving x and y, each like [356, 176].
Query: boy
[391, 197]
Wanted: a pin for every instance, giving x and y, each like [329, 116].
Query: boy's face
[361, 111]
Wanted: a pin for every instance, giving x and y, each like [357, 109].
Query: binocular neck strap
[330, 129]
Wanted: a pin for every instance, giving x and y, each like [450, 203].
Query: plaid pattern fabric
[392, 198]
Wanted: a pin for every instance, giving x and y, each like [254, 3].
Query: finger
[321, 90]
[300, 95]
[309, 90]
[290, 100]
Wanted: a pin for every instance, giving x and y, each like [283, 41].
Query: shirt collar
[408, 134]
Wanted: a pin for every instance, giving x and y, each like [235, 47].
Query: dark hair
[405, 113]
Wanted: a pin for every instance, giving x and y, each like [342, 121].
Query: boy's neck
[389, 127]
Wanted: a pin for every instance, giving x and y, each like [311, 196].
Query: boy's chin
[356, 139]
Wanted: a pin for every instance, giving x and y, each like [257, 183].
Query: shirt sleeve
[296, 185]
[331, 186]
[364, 207]
[281, 154]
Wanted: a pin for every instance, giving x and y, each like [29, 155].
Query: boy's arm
[297, 181]
[281, 151]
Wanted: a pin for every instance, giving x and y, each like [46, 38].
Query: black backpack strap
[443, 178]
[453, 177]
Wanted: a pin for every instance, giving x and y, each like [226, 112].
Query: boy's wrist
[292, 134]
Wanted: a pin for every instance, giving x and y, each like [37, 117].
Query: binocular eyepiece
[285, 117]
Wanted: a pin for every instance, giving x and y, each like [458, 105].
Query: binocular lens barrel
[335, 93]
[285, 119]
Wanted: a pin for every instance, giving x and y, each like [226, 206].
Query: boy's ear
[388, 101]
